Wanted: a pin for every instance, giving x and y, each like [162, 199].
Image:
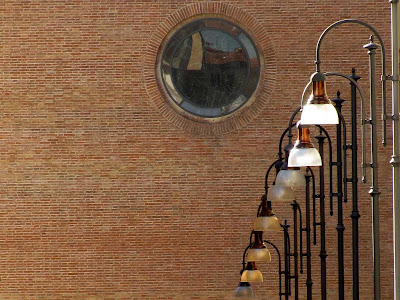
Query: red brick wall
[104, 196]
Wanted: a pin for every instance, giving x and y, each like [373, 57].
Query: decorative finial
[353, 71]
[338, 94]
[371, 38]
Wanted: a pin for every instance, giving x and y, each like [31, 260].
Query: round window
[210, 68]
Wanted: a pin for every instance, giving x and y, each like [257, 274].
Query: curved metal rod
[282, 137]
[244, 257]
[259, 208]
[279, 267]
[290, 135]
[267, 174]
[301, 238]
[383, 61]
[313, 198]
[330, 168]
[287, 257]
[363, 153]
[343, 121]
[251, 238]
[304, 93]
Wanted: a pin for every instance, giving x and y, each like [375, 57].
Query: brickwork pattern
[104, 196]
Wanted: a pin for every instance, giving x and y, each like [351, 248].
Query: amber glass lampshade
[319, 108]
[266, 219]
[258, 250]
[303, 153]
[251, 273]
[244, 291]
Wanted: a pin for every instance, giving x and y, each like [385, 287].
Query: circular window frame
[160, 97]
[188, 29]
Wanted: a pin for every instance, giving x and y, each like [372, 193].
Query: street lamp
[318, 111]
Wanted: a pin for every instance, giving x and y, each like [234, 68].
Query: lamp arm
[290, 135]
[313, 198]
[244, 257]
[363, 146]
[283, 136]
[330, 168]
[287, 259]
[343, 121]
[383, 62]
[267, 174]
[301, 238]
[279, 267]
[259, 208]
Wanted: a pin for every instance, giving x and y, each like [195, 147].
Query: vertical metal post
[322, 254]
[340, 226]
[374, 191]
[309, 282]
[395, 161]
[355, 215]
[295, 250]
[287, 260]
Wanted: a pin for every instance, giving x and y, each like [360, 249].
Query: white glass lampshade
[319, 114]
[251, 273]
[268, 223]
[261, 254]
[291, 178]
[319, 108]
[304, 157]
[281, 193]
[244, 291]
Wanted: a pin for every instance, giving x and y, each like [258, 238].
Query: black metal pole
[286, 260]
[355, 215]
[309, 282]
[295, 250]
[322, 254]
[340, 226]
[279, 267]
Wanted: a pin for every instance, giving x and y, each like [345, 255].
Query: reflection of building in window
[210, 72]
[196, 55]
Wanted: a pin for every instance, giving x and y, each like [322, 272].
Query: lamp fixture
[251, 273]
[244, 290]
[319, 108]
[258, 250]
[290, 177]
[303, 153]
[281, 193]
[266, 221]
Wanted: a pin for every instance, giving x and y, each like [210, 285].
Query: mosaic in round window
[210, 67]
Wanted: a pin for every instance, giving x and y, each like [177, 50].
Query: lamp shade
[303, 153]
[251, 273]
[266, 219]
[306, 157]
[319, 114]
[281, 193]
[270, 223]
[290, 178]
[244, 291]
[258, 250]
[319, 108]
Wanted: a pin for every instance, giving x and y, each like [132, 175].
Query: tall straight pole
[295, 251]
[395, 161]
[374, 191]
[309, 282]
[322, 253]
[340, 226]
[355, 214]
